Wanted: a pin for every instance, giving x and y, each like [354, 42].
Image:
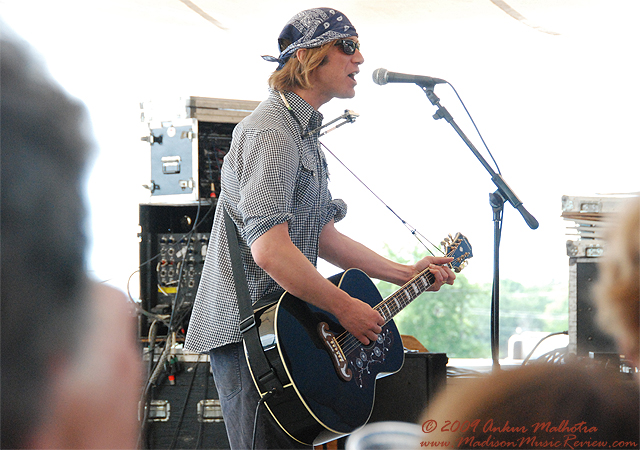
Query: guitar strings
[423, 280]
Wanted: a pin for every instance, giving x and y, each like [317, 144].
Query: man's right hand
[358, 318]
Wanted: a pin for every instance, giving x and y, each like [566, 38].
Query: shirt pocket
[307, 185]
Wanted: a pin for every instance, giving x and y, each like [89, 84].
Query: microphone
[383, 76]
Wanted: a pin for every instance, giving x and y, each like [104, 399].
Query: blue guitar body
[318, 404]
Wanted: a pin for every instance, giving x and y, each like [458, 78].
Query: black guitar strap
[264, 374]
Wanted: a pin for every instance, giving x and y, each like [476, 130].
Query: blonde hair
[618, 289]
[295, 73]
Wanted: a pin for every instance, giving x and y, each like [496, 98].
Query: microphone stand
[496, 200]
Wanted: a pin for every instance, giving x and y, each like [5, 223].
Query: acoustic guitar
[329, 376]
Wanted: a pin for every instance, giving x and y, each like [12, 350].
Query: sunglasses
[348, 46]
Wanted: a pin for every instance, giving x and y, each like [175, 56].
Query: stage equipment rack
[589, 217]
[188, 139]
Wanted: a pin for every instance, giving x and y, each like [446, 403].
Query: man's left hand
[439, 267]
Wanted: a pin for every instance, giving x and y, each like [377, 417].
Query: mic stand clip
[348, 117]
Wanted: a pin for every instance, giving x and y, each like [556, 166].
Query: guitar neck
[400, 299]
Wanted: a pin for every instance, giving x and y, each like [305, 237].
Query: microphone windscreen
[380, 76]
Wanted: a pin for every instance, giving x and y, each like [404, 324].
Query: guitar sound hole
[370, 346]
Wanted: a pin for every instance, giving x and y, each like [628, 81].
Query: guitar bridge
[339, 360]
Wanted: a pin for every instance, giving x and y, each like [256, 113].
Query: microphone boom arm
[503, 188]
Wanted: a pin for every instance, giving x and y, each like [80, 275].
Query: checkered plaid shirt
[271, 175]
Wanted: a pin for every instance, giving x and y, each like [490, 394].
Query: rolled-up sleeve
[337, 211]
[267, 189]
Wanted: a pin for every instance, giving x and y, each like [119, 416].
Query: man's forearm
[346, 253]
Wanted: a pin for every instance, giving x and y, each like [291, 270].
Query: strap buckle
[247, 324]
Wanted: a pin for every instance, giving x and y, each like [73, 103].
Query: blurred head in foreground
[69, 363]
[617, 293]
[536, 406]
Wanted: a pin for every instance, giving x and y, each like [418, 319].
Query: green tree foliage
[456, 320]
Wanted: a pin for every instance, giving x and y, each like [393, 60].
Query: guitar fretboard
[400, 299]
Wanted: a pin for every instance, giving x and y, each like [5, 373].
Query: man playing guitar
[274, 187]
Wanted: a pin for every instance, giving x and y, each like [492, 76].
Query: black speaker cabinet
[584, 332]
[185, 414]
[403, 396]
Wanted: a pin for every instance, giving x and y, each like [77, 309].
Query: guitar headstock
[459, 249]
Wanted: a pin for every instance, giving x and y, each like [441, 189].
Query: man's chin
[348, 94]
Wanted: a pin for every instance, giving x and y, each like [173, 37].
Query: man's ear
[300, 53]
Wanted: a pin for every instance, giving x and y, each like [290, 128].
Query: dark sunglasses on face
[348, 46]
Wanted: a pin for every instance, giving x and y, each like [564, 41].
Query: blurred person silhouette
[541, 405]
[617, 292]
[69, 366]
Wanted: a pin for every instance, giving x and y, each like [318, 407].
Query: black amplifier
[585, 336]
[184, 412]
[403, 396]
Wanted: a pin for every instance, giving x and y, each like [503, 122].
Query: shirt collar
[309, 118]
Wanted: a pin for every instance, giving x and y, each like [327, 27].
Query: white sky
[559, 112]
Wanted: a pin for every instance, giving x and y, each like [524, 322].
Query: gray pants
[239, 398]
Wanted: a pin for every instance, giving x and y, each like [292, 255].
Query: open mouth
[353, 76]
